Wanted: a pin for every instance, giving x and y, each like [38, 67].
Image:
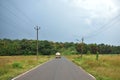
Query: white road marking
[30, 70]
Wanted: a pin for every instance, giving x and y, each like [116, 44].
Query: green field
[11, 66]
[106, 68]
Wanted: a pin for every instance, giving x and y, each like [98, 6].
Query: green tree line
[28, 47]
[97, 48]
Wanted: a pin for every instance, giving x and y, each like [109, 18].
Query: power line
[23, 13]
[104, 27]
[15, 24]
[13, 28]
[18, 10]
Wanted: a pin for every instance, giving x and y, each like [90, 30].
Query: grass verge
[106, 68]
[11, 66]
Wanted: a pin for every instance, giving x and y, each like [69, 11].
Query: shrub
[17, 65]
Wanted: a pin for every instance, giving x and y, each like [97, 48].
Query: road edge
[91, 75]
[30, 70]
[87, 72]
[82, 69]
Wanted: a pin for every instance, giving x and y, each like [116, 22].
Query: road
[56, 69]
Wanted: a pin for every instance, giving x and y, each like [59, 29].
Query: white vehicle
[58, 55]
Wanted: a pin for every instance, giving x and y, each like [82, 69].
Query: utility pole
[82, 46]
[37, 28]
[82, 39]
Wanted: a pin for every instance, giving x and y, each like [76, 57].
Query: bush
[17, 65]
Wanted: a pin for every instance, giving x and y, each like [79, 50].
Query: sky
[97, 21]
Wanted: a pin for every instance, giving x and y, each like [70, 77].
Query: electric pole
[82, 46]
[37, 28]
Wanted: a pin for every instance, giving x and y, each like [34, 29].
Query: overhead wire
[14, 31]
[11, 25]
[21, 11]
[8, 17]
[8, 9]
[104, 27]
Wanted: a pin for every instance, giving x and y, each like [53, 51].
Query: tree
[82, 48]
[46, 48]
[93, 48]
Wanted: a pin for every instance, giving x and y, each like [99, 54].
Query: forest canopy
[28, 47]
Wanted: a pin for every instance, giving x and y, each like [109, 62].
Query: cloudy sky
[61, 20]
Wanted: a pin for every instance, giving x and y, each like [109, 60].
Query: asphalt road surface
[56, 69]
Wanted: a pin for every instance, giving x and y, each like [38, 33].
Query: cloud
[99, 8]
[88, 21]
[61, 19]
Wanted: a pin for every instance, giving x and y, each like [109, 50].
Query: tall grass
[11, 66]
[106, 68]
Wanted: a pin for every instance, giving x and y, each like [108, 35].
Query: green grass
[106, 68]
[11, 66]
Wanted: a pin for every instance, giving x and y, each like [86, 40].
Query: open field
[106, 68]
[11, 66]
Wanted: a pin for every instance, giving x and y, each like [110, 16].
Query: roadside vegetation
[106, 68]
[11, 66]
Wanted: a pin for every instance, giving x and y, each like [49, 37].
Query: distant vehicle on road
[58, 55]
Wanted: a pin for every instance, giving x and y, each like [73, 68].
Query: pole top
[37, 28]
[82, 39]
